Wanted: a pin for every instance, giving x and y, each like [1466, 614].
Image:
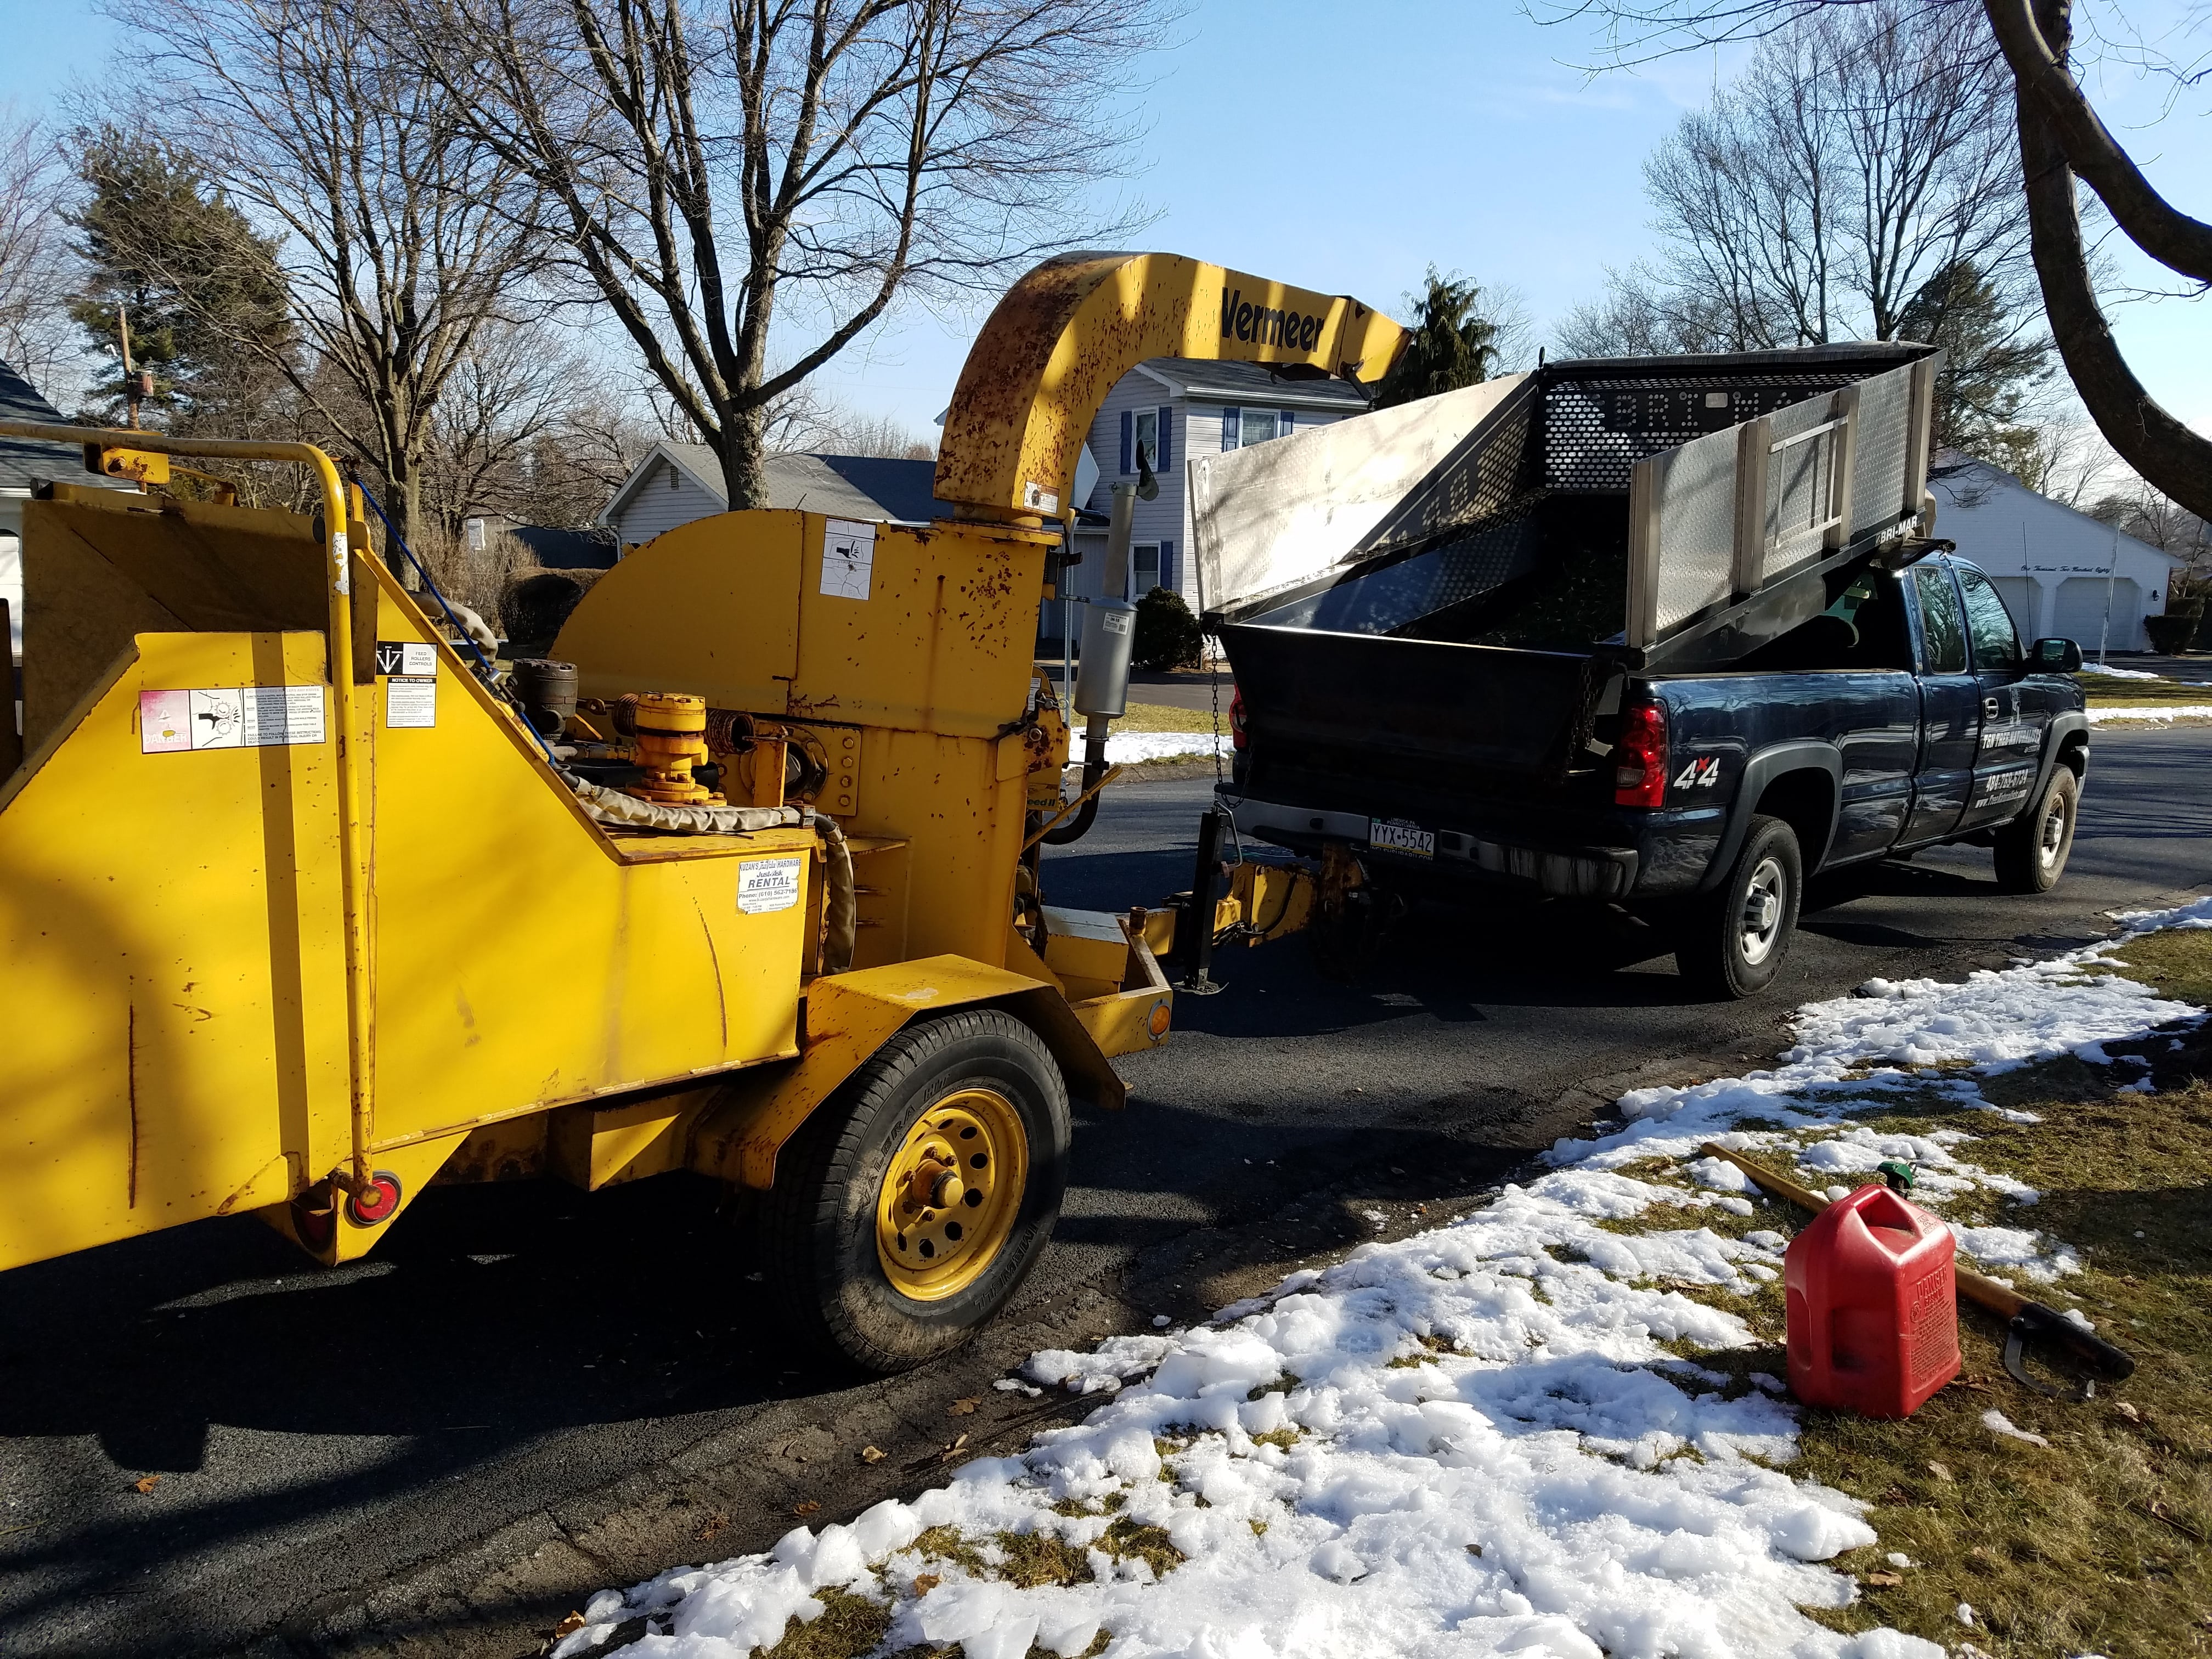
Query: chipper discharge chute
[302, 909]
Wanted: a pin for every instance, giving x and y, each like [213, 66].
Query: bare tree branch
[2164, 232]
[401, 240]
[34, 257]
[2157, 446]
[766, 179]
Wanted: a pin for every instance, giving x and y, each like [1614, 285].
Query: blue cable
[491, 674]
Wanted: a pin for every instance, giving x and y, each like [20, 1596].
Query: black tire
[1721, 948]
[2033, 849]
[819, 1223]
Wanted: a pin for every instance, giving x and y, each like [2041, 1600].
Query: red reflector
[1237, 720]
[1639, 773]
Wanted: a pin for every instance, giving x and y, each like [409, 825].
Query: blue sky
[1346, 147]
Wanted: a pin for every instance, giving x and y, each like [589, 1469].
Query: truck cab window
[1996, 644]
[1942, 628]
[1865, 628]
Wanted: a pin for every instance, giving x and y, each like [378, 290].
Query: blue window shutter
[1162, 462]
[1289, 419]
[1168, 567]
[1129, 441]
[1229, 416]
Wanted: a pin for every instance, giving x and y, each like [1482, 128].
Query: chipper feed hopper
[301, 910]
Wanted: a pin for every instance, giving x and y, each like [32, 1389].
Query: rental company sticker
[848, 559]
[410, 701]
[228, 717]
[765, 885]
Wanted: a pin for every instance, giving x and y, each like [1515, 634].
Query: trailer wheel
[2033, 849]
[910, 1207]
[1730, 943]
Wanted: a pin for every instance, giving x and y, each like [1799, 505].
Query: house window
[1145, 434]
[1144, 568]
[1243, 427]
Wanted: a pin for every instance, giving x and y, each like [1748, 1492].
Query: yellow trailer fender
[849, 1017]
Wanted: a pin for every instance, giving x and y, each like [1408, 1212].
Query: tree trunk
[2171, 456]
[745, 457]
[403, 505]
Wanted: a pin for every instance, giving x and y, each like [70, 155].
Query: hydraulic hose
[1094, 768]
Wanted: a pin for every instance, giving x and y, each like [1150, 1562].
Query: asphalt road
[529, 1393]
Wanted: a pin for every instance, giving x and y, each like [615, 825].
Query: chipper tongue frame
[301, 909]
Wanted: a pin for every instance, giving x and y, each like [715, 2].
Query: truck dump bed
[1468, 580]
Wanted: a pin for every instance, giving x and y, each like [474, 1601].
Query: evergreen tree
[161, 241]
[1450, 345]
[1990, 365]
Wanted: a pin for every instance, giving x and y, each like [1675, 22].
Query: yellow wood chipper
[300, 911]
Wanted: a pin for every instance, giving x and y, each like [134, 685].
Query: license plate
[1409, 839]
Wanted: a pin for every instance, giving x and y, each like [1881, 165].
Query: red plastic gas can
[1874, 1310]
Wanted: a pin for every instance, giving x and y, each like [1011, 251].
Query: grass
[1166, 717]
[850, 1625]
[2102, 1543]
[2104, 691]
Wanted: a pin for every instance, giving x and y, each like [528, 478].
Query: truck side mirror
[2056, 656]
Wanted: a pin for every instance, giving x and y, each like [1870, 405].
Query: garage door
[2021, 596]
[2079, 614]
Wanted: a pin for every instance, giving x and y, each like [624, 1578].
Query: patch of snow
[2106, 671]
[1997, 1423]
[2197, 914]
[2163, 713]
[1133, 748]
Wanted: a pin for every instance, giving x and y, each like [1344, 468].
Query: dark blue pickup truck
[1673, 634]
[1906, 714]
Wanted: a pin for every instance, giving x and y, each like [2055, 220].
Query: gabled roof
[867, 487]
[1209, 381]
[1967, 481]
[24, 464]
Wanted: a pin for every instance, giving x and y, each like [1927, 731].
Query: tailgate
[1332, 716]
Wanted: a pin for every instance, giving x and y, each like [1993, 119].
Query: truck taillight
[1640, 772]
[1237, 720]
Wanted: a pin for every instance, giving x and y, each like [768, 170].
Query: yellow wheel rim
[948, 1201]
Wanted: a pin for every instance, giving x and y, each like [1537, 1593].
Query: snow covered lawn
[1494, 1437]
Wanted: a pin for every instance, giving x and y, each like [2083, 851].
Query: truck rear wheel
[1730, 943]
[2031, 850]
[910, 1207]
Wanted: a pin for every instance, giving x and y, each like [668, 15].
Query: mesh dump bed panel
[1696, 528]
[1597, 429]
[1878, 460]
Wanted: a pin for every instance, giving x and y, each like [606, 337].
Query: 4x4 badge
[1699, 774]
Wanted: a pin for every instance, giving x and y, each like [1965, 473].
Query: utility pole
[136, 383]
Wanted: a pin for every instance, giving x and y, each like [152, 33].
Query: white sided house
[677, 483]
[1174, 409]
[2063, 573]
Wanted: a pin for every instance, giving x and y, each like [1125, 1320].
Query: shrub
[1167, 633]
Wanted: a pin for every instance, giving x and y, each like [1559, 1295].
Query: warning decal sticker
[410, 701]
[229, 717]
[765, 885]
[848, 559]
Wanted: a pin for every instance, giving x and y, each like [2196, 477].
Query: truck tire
[2031, 850]
[1730, 942]
[911, 1206]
